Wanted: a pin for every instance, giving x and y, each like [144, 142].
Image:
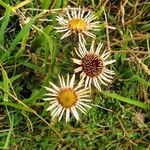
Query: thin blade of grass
[6, 6]
[12, 79]
[45, 4]
[35, 95]
[6, 145]
[21, 4]
[23, 45]
[49, 46]
[17, 106]
[125, 99]
[139, 79]
[5, 84]
[30, 65]
[4, 25]
[19, 102]
[65, 2]
[57, 3]
[24, 31]
[40, 93]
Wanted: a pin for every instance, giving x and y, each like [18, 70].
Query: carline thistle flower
[77, 21]
[93, 66]
[67, 98]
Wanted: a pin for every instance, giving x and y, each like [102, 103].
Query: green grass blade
[49, 45]
[125, 99]
[45, 4]
[30, 65]
[23, 45]
[65, 2]
[24, 31]
[17, 106]
[6, 146]
[57, 3]
[38, 94]
[6, 6]
[139, 79]
[6, 82]
[12, 79]
[4, 25]
[35, 95]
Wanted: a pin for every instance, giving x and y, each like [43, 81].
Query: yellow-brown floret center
[92, 65]
[77, 25]
[67, 97]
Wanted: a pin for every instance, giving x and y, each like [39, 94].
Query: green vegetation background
[31, 54]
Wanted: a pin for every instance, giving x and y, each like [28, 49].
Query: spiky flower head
[93, 66]
[67, 98]
[77, 21]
